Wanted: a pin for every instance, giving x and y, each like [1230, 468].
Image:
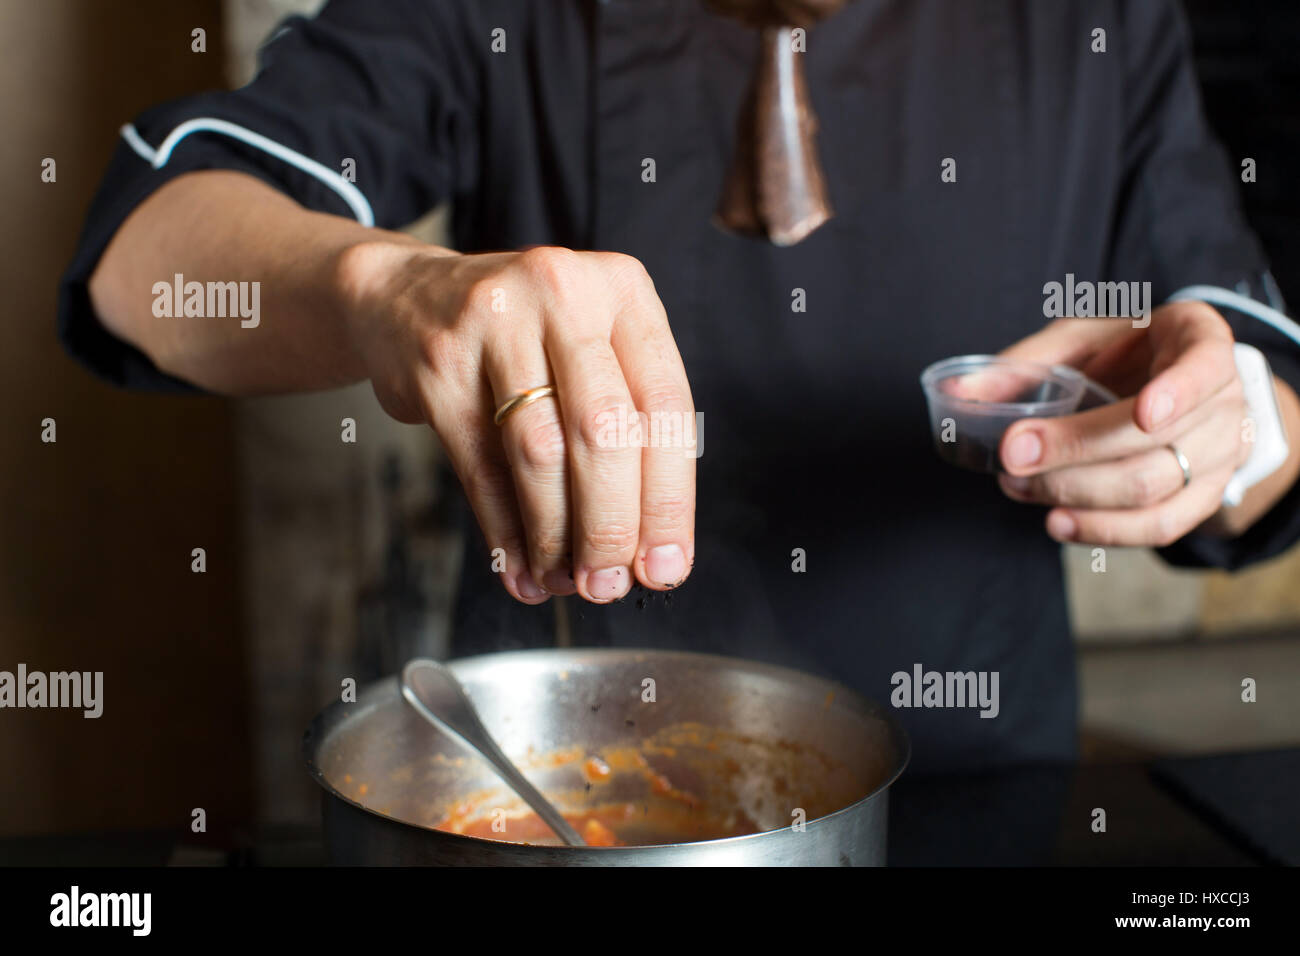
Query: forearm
[224, 227]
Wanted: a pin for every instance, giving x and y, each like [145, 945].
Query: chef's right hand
[574, 501]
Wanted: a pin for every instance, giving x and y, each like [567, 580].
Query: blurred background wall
[97, 528]
[329, 560]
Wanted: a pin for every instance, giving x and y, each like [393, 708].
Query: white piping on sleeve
[349, 193]
[145, 151]
[1232, 300]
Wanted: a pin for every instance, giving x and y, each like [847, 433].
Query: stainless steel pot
[778, 746]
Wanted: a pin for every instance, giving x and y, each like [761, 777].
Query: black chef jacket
[815, 431]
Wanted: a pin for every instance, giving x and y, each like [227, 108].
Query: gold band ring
[520, 400]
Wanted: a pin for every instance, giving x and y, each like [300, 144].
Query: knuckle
[598, 422]
[551, 548]
[665, 399]
[1098, 531]
[1071, 445]
[551, 266]
[632, 273]
[669, 421]
[541, 445]
[1147, 486]
[612, 536]
[621, 262]
[630, 282]
[667, 510]
[1113, 534]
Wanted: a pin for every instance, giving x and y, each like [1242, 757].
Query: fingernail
[665, 564]
[609, 584]
[1161, 408]
[1016, 483]
[1024, 450]
[1061, 526]
[528, 588]
[558, 582]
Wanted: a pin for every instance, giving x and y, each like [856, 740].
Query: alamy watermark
[82, 690]
[129, 910]
[209, 300]
[628, 428]
[950, 689]
[1098, 300]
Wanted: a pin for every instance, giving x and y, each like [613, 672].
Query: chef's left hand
[1108, 473]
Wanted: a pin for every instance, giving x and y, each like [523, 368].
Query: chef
[612, 249]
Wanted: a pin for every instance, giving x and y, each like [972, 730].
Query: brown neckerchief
[775, 187]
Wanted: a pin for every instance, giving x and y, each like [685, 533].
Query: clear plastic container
[973, 399]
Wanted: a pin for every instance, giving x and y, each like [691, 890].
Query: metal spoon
[440, 699]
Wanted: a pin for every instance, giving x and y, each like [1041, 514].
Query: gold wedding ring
[520, 400]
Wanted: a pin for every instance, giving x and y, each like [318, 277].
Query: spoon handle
[457, 718]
